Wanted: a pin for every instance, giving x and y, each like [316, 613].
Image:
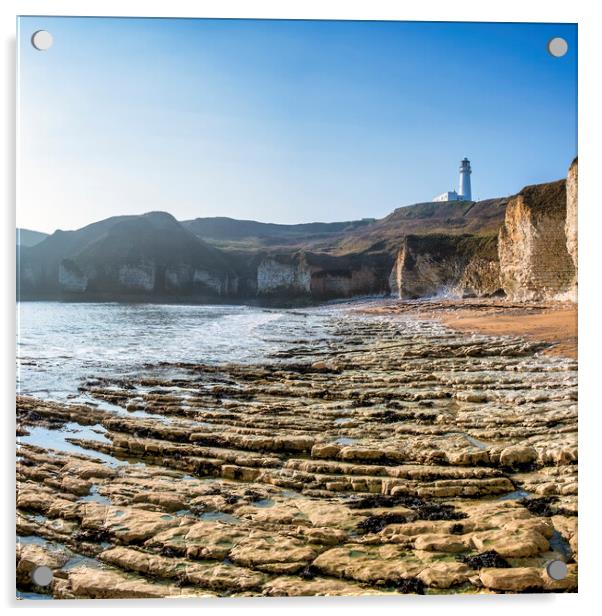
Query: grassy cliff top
[350, 237]
[548, 198]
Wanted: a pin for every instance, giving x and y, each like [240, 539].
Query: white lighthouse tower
[465, 171]
[464, 193]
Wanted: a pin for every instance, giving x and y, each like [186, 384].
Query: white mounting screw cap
[42, 40]
[558, 47]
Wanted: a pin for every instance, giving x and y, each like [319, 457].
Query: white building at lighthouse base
[465, 193]
[450, 195]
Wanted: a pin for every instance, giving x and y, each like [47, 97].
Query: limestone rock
[288, 586]
[90, 583]
[199, 541]
[445, 265]
[272, 553]
[283, 275]
[445, 574]
[517, 579]
[377, 565]
[534, 261]
[518, 456]
[216, 576]
[31, 556]
[129, 525]
[439, 543]
[571, 219]
[509, 544]
[276, 478]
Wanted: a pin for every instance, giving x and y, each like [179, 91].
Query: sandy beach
[553, 323]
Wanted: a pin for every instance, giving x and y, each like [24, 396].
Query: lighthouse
[465, 171]
[464, 192]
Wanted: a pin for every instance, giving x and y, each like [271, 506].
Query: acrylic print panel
[297, 308]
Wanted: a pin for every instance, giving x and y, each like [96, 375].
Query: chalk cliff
[534, 261]
[284, 275]
[322, 276]
[533, 257]
[122, 257]
[571, 220]
[524, 247]
[446, 265]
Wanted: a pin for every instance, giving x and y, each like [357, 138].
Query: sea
[60, 345]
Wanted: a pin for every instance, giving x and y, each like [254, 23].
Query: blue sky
[284, 121]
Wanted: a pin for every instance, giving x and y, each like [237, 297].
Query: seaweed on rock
[486, 559]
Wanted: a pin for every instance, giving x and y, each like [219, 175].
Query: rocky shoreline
[552, 322]
[391, 455]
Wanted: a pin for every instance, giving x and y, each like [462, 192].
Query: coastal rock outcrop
[450, 265]
[153, 256]
[571, 219]
[71, 278]
[143, 256]
[323, 276]
[534, 261]
[138, 277]
[284, 275]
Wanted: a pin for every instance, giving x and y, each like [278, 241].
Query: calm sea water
[61, 344]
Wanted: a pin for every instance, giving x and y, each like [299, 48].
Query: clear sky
[284, 121]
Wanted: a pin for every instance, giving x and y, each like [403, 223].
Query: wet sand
[552, 323]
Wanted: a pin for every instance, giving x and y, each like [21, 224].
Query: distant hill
[222, 259]
[454, 217]
[124, 255]
[230, 233]
[27, 237]
[156, 236]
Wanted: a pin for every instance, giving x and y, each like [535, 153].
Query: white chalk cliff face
[319, 277]
[181, 278]
[449, 266]
[71, 279]
[221, 284]
[535, 258]
[354, 281]
[150, 255]
[534, 261]
[279, 275]
[571, 220]
[138, 277]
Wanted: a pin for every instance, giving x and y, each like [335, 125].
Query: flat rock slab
[372, 455]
